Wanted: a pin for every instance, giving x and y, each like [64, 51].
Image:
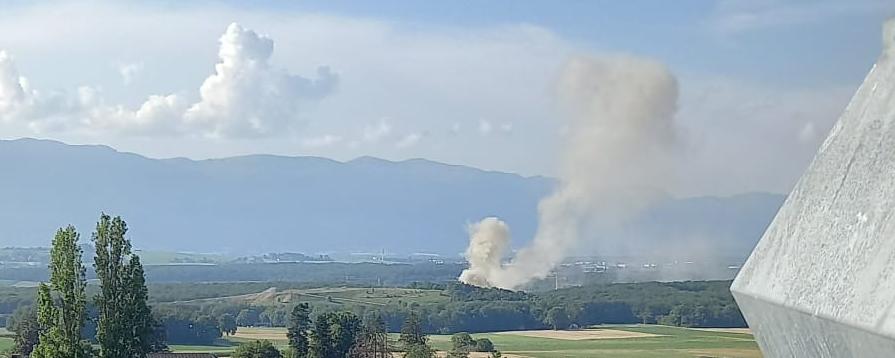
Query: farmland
[641, 341]
[6, 340]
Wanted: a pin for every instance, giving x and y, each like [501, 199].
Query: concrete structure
[821, 282]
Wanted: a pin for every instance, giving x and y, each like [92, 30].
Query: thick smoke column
[616, 159]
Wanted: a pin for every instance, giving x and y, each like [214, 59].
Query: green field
[670, 342]
[5, 343]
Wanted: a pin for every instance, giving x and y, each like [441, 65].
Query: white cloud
[506, 128]
[734, 16]
[12, 91]
[327, 140]
[248, 97]
[130, 71]
[245, 97]
[485, 127]
[42, 110]
[375, 132]
[455, 128]
[409, 140]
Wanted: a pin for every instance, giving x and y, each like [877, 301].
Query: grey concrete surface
[821, 282]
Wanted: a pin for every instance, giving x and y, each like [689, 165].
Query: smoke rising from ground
[619, 113]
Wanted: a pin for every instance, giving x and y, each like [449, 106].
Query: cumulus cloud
[41, 110]
[488, 128]
[409, 140]
[129, 71]
[506, 128]
[245, 97]
[375, 132]
[12, 91]
[455, 128]
[248, 97]
[485, 127]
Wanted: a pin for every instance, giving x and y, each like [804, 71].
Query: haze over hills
[264, 203]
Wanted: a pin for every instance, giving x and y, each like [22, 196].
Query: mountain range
[265, 203]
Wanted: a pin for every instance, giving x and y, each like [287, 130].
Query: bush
[257, 349]
[419, 351]
[484, 345]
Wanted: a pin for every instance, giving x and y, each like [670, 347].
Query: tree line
[344, 334]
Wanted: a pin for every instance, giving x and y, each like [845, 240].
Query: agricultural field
[5, 343]
[624, 341]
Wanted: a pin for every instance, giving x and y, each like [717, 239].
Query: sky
[463, 82]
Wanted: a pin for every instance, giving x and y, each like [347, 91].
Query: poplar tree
[48, 345]
[412, 332]
[321, 343]
[61, 320]
[126, 327]
[299, 327]
[373, 341]
[27, 331]
[142, 338]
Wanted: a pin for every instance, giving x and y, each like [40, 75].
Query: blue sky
[466, 82]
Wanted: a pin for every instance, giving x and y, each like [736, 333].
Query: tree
[321, 343]
[461, 344]
[373, 341]
[558, 318]
[143, 337]
[27, 332]
[62, 320]
[346, 330]
[297, 331]
[419, 351]
[484, 345]
[412, 338]
[227, 324]
[126, 327]
[247, 317]
[412, 331]
[334, 335]
[257, 349]
[48, 345]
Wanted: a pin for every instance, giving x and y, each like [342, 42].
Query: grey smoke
[616, 159]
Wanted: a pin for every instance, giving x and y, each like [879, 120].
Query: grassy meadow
[650, 341]
[5, 343]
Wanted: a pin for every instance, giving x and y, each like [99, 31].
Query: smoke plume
[619, 113]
